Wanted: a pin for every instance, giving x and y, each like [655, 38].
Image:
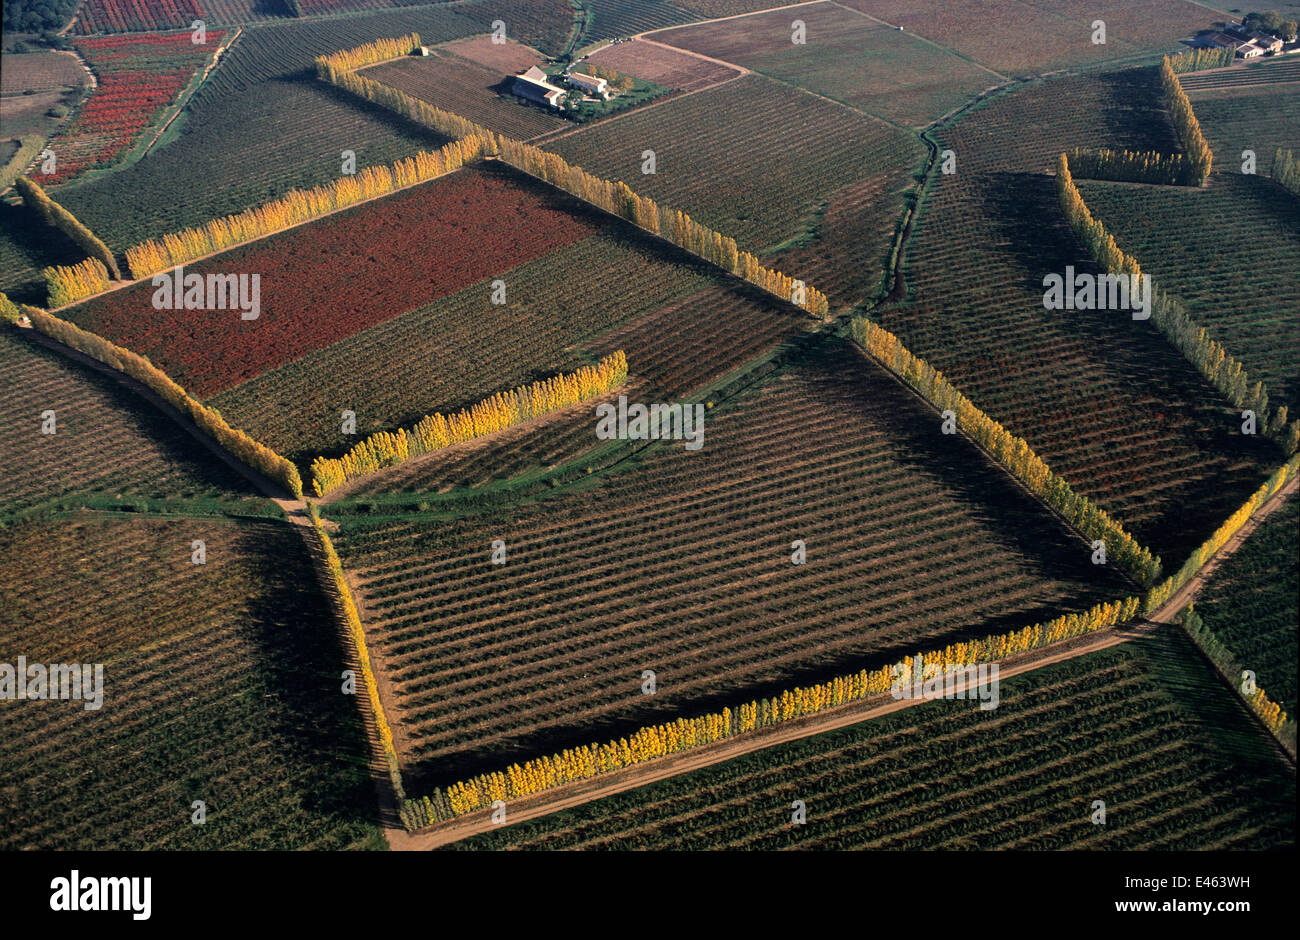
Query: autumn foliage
[1219, 367]
[1199, 155]
[299, 205]
[502, 410]
[1196, 59]
[381, 50]
[675, 226]
[358, 635]
[36, 198]
[258, 456]
[1013, 453]
[592, 760]
[1167, 588]
[617, 198]
[66, 284]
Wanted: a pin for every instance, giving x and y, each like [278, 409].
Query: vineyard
[39, 71]
[900, 556]
[663, 66]
[818, 228]
[1226, 253]
[104, 444]
[1258, 118]
[547, 25]
[443, 235]
[120, 16]
[613, 290]
[139, 77]
[1250, 604]
[501, 58]
[613, 18]
[1095, 393]
[1116, 725]
[753, 175]
[220, 685]
[1047, 34]
[845, 56]
[468, 89]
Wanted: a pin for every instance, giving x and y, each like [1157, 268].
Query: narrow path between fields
[585, 791]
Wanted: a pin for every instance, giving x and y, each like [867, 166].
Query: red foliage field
[138, 77]
[328, 280]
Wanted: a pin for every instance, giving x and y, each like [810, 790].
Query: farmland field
[468, 89]
[118, 16]
[40, 71]
[846, 57]
[1252, 604]
[628, 17]
[1105, 400]
[680, 564]
[438, 237]
[663, 66]
[614, 289]
[1229, 254]
[220, 684]
[1046, 35]
[107, 442]
[753, 176]
[1116, 725]
[1261, 118]
[28, 244]
[547, 25]
[139, 77]
[500, 57]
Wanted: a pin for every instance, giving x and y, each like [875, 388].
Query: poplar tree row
[36, 198]
[1159, 594]
[353, 620]
[675, 226]
[616, 198]
[649, 743]
[1199, 156]
[258, 456]
[1286, 170]
[370, 53]
[1269, 711]
[299, 205]
[500, 411]
[66, 284]
[410, 107]
[1012, 452]
[1194, 60]
[1132, 166]
[1218, 366]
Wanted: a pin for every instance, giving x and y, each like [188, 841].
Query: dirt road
[585, 791]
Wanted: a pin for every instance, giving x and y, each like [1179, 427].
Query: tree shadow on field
[1136, 116]
[836, 374]
[26, 239]
[319, 735]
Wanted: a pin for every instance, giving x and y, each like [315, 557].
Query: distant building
[589, 84]
[1244, 46]
[534, 74]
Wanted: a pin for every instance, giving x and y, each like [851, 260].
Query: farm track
[586, 791]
